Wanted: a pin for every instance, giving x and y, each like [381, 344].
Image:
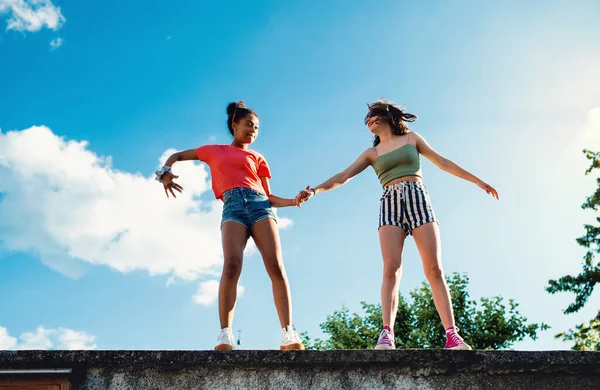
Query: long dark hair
[391, 113]
[237, 111]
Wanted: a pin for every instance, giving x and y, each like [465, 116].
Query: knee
[392, 271]
[232, 268]
[275, 269]
[434, 273]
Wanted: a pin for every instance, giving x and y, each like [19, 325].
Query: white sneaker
[290, 339]
[225, 341]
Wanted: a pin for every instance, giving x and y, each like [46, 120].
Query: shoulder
[418, 140]
[210, 152]
[370, 154]
[211, 147]
[414, 136]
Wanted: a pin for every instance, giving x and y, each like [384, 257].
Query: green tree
[586, 337]
[491, 324]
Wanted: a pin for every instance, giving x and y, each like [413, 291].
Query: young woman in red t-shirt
[240, 178]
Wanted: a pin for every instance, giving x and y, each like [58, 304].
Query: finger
[172, 193]
[178, 187]
[166, 192]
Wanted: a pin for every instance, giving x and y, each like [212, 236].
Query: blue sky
[93, 94]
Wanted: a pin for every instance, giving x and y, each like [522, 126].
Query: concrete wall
[419, 369]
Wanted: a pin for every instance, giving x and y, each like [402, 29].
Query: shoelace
[456, 338]
[291, 335]
[385, 337]
[225, 337]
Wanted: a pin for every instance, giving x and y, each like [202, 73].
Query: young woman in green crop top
[405, 209]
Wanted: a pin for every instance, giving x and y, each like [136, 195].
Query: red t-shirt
[232, 167]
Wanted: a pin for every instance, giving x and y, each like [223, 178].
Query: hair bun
[231, 107]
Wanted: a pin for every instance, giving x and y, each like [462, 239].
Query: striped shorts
[407, 205]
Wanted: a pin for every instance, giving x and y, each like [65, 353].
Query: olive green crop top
[400, 162]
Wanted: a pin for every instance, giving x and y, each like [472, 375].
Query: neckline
[398, 148]
[243, 150]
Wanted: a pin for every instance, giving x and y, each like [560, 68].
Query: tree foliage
[582, 285]
[490, 324]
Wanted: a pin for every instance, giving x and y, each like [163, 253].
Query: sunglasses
[375, 112]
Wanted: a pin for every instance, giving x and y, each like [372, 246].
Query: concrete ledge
[425, 369]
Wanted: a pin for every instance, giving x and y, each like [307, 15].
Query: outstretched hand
[303, 196]
[169, 185]
[488, 189]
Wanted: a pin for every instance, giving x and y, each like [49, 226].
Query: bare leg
[427, 238]
[391, 239]
[266, 238]
[234, 237]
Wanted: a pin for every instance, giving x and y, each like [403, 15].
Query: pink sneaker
[386, 340]
[454, 341]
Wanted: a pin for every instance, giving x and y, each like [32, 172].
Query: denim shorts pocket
[227, 197]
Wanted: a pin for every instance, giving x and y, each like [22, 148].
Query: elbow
[344, 178]
[444, 164]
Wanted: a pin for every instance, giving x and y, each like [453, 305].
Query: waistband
[403, 184]
[243, 190]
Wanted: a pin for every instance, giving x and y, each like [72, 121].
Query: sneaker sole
[223, 347]
[460, 348]
[384, 346]
[292, 347]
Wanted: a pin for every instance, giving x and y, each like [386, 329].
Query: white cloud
[284, 223]
[31, 15]
[169, 37]
[6, 341]
[56, 43]
[63, 202]
[67, 205]
[72, 339]
[42, 338]
[208, 292]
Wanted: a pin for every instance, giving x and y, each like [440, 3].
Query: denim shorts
[246, 206]
[407, 205]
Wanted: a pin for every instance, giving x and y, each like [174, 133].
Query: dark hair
[392, 114]
[237, 111]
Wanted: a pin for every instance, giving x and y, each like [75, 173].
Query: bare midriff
[414, 179]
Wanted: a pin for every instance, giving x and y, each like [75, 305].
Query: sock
[388, 329]
[450, 330]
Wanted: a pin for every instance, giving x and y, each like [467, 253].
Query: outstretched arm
[335, 181]
[189, 154]
[450, 166]
[276, 201]
[166, 176]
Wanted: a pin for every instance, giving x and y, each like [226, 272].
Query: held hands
[169, 185]
[488, 188]
[304, 196]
